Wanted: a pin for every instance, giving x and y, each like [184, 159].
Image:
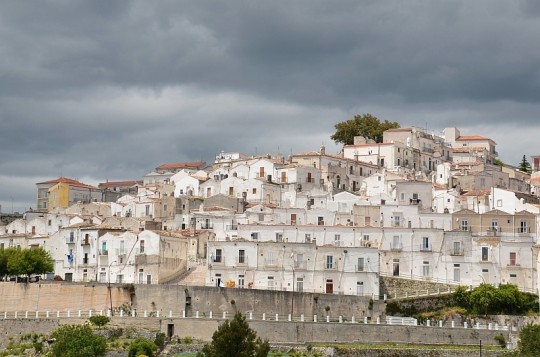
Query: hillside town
[419, 206]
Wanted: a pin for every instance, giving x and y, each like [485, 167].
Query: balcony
[426, 247]
[241, 260]
[332, 266]
[70, 240]
[359, 268]
[103, 252]
[396, 247]
[270, 263]
[299, 265]
[456, 252]
[219, 260]
[231, 227]
[84, 242]
[85, 261]
[207, 226]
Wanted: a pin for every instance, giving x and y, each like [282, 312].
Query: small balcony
[299, 265]
[103, 252]
[207, 226]
[85, 242]
[359, 268]
[332, 266]
[270, 263]
[457, 252]
[241, 260]
[396, 247]
[70, 240]
[231, 227]
[426, 247]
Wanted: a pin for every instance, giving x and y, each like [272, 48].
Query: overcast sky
[98, 90]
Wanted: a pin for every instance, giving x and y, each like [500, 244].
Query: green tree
[99, 320]
[30, 261]
[142, 347]
[525, 166]
[482, 298]
[77, 341]
[462, 297]
[236, 338]
[5, 255]
[365, 125]
[529, 340]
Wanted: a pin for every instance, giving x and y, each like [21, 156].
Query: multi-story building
[63, 192]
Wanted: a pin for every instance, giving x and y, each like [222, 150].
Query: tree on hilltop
[365, 125]
[525, 166]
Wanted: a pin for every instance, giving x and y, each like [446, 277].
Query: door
[293, 218]
[360, 288]
[170, 331]
[329, 286]
[68, 277]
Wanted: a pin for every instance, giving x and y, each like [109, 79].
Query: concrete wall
[60, 296]
[298, 332]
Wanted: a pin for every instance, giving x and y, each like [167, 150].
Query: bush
[99, 320]
[160, 340]
[77, 341]
[142, 346]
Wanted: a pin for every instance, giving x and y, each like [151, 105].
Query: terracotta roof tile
[68, 181]
[182, 165]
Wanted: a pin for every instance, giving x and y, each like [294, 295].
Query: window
[308, 238]
[241, 256]
[104, 248]
[329, 262]
[337, 239]
[320, 221]
[255, 235]
[464, 225]
[360, 288]
[120, 278]
[485, 254]
[254, 191]
[164, 208]
[360, 266]
[261, 217]
[279, 237]
[523, 227]
[270, 258]
[141, 247]
[513, 258]
[299, 261]
[270, 283]
[425, 244]
[456, 249]
[147, 210]
[217, 258]
[494, 225]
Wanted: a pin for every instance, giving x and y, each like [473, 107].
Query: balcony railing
[270, 262]
[241, 260]
[300, 265]
[456, 252]
[207, 226]
[426, 247]
[396, 247]
[332, 266]
[231, 227]
[70, 240]
[104, 252]
[360, 268]
[85, 242]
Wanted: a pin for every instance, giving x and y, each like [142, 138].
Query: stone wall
[391, 285]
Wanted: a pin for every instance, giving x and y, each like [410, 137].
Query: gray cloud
[102, 89]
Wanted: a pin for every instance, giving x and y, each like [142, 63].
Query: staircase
[195, 276]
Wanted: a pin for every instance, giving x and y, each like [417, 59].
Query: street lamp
[110, 291]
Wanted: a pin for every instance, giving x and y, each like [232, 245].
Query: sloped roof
[67, 181]
[181, 165]
[118, 183]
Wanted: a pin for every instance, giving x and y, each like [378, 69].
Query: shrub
[99, 320]
[142, 346]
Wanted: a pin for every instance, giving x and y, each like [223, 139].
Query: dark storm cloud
[101, 89]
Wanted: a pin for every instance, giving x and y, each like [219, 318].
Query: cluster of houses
[418, 206]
